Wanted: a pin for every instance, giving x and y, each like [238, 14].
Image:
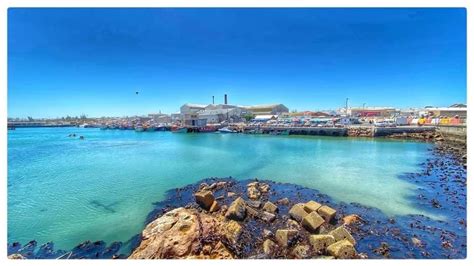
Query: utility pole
[212, 99]
[347, 110]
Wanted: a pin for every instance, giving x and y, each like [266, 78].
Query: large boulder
[214, 207]
[254, 203]
[301, 251]
[321, 242]
[311, 206]
[351, 218]
[342, 250]
[237, 210]
[264, 187]
[312, 222]
[269, 247]
[285, 237]
[16, 256]
[327, 213]
[204, 198]
[298, 212]
[232, 231]
[270, 207]
[177, 234]
[253, 192]
[267, 217]
[283, 201]
[341, 233]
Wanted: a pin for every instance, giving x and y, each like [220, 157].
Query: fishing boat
[150, 128]
[226, 130]
[207, 129]
[161, 127]
[179, 129]
[139, 128]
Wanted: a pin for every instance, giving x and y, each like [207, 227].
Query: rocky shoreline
[227, 226]
[265, 219]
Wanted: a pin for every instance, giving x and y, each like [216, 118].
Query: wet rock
[292, 224]
[252, 184]
[417, 242]
[327, 213]
[232, 231]
[220, 185]
[342, 250]
[16, 256]
[297, 212]
[264, 187]
[205, 199]
[237, 210]
[341, 233]
[203, 186]
[212, 186]
[267, 233]
[269, 247]
[351, 219]
[268, 217]
[251, 212]
[383, 250]
[214, 207]
[253, 193]
[254, 203]
[312, 222]
[321, 242]
[311, 206]
[177, 234]
[283, 201]
[301, 251]
[435, 203]
[285, 237]
[270, 207]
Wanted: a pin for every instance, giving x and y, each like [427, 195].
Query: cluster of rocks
[360, 132]
[425, 135]
[321, 241]
[248, 228]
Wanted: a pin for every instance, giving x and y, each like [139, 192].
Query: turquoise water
[68, 190]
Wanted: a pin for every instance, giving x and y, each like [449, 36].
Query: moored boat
[150, 129]
[179, 130]
[226, 130]
[207, 129]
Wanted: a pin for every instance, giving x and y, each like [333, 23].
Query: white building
[267, 109]
[160, 118]
[220, 115]
[190, 108]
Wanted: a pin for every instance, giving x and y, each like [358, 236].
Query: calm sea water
[68, 190]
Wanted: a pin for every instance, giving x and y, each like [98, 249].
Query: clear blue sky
[91, 61]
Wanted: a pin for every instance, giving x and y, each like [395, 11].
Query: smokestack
[225, 98]
[212, 99]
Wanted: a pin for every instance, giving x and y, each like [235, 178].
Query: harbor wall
[457, 133]
[353, 131]
[387, 131]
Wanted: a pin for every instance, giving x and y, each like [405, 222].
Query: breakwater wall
[457, 133]
[352, 131]
[387, 131]
[322, 131]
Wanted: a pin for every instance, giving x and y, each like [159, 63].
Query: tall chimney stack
[212, 99]
[225, 98]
